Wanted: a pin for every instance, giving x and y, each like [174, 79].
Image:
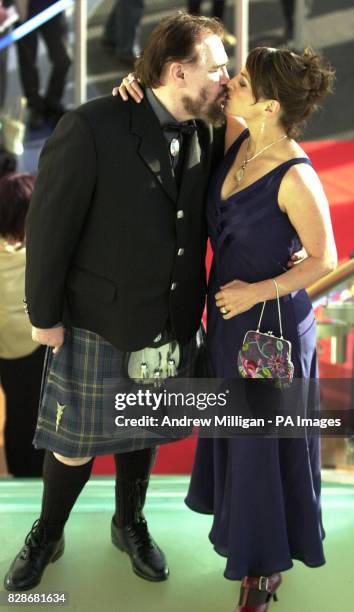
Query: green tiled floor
[98, 577]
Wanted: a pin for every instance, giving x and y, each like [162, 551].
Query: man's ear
[177, 73]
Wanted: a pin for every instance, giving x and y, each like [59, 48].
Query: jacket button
[180, 252]
[173, 286]
[180, 214]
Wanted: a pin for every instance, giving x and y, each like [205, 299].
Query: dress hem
[228, 576]
[232, 576]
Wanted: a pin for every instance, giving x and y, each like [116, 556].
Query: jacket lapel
[152, 146]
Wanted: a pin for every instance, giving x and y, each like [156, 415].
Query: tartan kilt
[77, 391]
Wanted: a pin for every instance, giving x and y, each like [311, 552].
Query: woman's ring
[224, 310]
[130, 79]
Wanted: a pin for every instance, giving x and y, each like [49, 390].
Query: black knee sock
[62, 486]
[132, 478]
[136, 464]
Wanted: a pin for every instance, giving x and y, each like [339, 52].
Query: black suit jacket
[112, 247]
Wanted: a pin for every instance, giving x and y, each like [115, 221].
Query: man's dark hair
[173, 40]
[15, 195]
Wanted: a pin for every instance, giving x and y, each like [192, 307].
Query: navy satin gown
[264, 493]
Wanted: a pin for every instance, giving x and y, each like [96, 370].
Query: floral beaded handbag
[266, 356]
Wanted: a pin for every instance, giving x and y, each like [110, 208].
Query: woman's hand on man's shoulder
[129, 87]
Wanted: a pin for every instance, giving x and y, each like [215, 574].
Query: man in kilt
[116, 244]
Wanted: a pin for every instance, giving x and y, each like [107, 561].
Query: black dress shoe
[27, 568]
[148, 560]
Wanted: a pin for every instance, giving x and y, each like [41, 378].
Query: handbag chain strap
[279, 313]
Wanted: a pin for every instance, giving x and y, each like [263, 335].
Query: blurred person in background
[8, 16]
[4, 4]
[3, 57]
[121, 33]
[218, 12]
[21, 360]
[54, 34]
[289, 8]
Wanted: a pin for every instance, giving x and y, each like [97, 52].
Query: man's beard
[211, 112]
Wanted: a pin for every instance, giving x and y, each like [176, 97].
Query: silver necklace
[238, 176]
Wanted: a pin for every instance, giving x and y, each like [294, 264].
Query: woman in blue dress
[265, 202]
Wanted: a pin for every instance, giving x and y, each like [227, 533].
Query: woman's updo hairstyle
[298, 82]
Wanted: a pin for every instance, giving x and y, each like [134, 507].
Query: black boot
[148, 560]
[38, 551]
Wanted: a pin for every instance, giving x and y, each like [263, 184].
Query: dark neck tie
[184, 128]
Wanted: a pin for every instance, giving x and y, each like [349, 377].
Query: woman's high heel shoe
[256, 593]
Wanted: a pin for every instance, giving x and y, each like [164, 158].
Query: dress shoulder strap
[232, 150]
[282, 168]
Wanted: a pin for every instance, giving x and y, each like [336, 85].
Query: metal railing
[344, 272]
